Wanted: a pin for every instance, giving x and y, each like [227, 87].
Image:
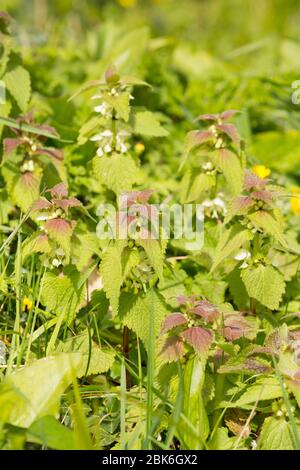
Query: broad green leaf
[35, 390]
[229, 243]
[276, 434]
[36, 243]
[146, 123]
[48, 432]
[62, 294]
[18, 84]
[95, 360]
[193, 406]
[266, 222]
[193, 185]
[120, 104]
[112, 274]
[265, 284]
[265, 388]
[136, 315]
[229, 164]
[118, 172]
[155, 253]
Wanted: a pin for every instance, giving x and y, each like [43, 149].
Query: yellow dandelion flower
[27, 304]
[139, 148]
[261, 170]
[295, 201]
[127, 3]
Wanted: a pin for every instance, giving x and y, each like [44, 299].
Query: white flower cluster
[214, 208]
[243, 255]
[105, 140]
[27, 166]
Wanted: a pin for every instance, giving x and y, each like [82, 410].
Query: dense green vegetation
[143, 342]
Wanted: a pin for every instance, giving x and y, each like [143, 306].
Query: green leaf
[146, 123]
[229, 164]
[34, 391]
[229, 242]
[112, 275]
[193, 185]
[136, 314]
[24, 188]
[120, 104]
[193, 406]
[48, 432]
[266, 222]
[62, 294]
[265, 284]
[276, 434]
[118, 172]
[18, 84]
[95, 360]
[5, 121]
[155, 254]
[36, 243]
[265, 388]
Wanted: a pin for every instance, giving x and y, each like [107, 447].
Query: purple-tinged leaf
[184, 299]
[134, 197]
[41, 244]
[64, 204]
[235, 326]
[231, 131]
[252, 181]
[249, 366]
[262, 195]
[224, 116]
[228, 114]
[199, 338]
[195, 138]
[51, 152]
[172, 321]
[9, 145]
[173, 349]
[206, 310]
[241, 205]
[59, 191]
[59, 228]
[41, 204]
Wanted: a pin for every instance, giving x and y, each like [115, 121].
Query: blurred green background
[199, 55]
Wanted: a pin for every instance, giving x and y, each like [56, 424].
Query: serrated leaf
[229, 164]
[120, 104]
[95, 360]
[118, 172]
[265, 388]
[137, 317]
[266, 222]
[155, 254]
[112, 274]
[37, 243]
[229, 242]
[62, 294]
[265, 284]
[146, 123]
[18, 84]
[276, 434]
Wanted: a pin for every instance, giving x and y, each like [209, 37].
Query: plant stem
[126, 354]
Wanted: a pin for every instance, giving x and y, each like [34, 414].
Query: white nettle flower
[207, 166]
[243, 255]
[105, 140]
[28, 166]
[215, 207]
